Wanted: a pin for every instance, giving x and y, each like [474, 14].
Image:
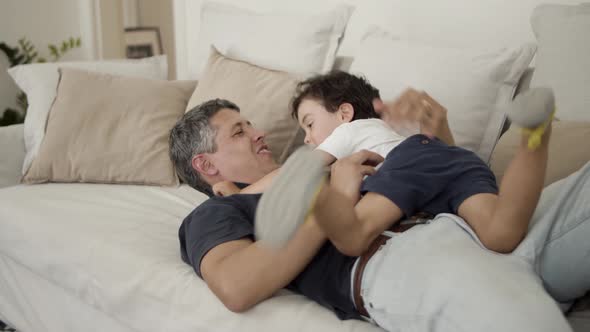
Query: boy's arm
[326, 157]
[262, 184]
[243, 273]
[225, 188]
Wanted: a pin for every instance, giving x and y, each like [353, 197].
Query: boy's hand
[225, 188]
[347, 173]
[415, 111]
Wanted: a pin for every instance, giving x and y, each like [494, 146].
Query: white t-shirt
[368, 134]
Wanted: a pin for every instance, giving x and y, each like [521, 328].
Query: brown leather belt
[364, 259]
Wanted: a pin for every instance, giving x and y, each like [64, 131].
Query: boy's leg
[558, 242]
[501, 221]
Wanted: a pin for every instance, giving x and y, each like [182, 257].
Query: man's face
[242, 155]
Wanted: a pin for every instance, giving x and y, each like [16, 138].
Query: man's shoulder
[216, 221]
[223, 206]
[232, 200]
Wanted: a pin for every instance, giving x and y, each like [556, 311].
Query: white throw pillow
[563, 59]
[39, 81]
[296, 43]
[472, 84]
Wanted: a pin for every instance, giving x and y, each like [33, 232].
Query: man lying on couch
[443, 280]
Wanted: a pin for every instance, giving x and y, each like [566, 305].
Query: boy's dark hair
[335, 88]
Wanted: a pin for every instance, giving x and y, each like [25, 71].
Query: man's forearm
[257, 272]
[337, 216]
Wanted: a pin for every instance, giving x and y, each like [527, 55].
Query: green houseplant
[24, 53]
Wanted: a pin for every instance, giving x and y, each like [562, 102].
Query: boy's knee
[503, 244]
[500, 245]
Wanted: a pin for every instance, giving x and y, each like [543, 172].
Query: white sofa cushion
[115, 248]
[472, 84]
[12, 147]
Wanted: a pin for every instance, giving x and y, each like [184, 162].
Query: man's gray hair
[193, 134]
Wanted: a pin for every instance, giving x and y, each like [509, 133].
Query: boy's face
[317, 122]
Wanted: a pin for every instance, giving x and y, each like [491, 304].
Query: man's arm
[352, 226]
[416, 109]
[242, 273]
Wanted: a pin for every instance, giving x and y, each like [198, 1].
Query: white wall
[109, 29]
[158, 13]
[42, 22]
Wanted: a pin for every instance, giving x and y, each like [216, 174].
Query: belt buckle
[418, 219]
[368, 319]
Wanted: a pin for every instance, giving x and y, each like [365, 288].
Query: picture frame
[142, 42]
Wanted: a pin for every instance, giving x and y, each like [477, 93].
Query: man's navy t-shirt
[326, 279]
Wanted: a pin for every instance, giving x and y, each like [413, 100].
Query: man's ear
[203, 165]
[346, 111]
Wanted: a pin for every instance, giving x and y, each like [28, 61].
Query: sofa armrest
[12, 154]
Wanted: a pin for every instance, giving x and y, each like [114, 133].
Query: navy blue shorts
[426, 175]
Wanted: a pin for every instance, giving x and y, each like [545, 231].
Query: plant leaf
[53, 51]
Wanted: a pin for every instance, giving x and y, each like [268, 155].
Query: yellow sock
[536, 134]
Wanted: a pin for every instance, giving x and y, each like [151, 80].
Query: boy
[420, 175]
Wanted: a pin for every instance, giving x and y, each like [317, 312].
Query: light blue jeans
[438, 276]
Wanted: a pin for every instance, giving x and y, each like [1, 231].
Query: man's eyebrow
[236, 125]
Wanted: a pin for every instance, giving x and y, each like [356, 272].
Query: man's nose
[258, 135]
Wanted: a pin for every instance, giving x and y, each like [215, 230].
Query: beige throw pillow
[263, 97]
[110, 129]
[568, 150]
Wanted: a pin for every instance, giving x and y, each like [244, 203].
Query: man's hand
[415, 111]
[347, 173]
[225, 188]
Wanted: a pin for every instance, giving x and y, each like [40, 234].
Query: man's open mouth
[263, 149]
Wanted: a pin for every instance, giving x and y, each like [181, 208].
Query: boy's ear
[346, 111]
[203, 165]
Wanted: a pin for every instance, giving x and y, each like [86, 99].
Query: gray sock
[532, 108]
[284, 206]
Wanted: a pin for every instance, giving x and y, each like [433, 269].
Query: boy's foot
[290, 198]
[533, 111]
